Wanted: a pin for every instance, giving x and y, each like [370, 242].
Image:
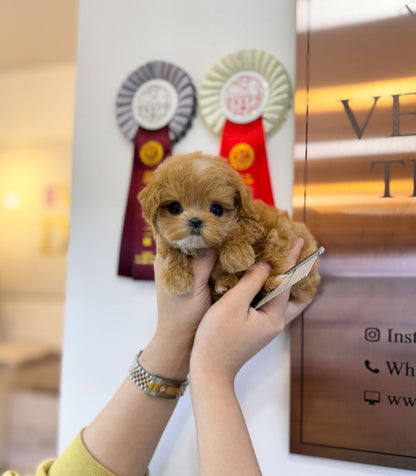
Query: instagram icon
[372, 334]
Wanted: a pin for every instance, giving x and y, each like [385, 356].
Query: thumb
[250, 283]
[203, 265]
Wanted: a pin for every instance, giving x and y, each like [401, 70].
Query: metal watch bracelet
[154, 385]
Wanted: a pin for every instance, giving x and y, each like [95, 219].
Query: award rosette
[245, 96]
[155, 106]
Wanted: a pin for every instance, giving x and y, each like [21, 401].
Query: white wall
[109, 318]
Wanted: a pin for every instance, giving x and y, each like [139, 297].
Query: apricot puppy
[197, 201]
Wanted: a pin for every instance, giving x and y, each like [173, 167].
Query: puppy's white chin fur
[191, 244]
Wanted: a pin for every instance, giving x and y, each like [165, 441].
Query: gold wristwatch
[154, 385]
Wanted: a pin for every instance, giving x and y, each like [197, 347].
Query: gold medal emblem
[241, 156]
[151, 153]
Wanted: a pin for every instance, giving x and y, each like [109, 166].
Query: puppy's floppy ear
[149, 200]
[245, 200]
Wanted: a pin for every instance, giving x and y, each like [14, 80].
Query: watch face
[244, 97]
[154, 104]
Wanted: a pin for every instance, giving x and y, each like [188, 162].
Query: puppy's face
[194, 201]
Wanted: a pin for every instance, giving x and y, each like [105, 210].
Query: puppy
[196, 201]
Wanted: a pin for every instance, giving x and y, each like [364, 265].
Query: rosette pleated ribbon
[243, 98]
[155, 107]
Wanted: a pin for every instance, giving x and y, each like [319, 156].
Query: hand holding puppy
[179, 315]
[232, 332]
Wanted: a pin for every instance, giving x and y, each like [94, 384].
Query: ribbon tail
[244, 146]
[138, 247]
[126, 256]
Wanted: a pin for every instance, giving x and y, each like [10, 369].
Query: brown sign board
[353, 384]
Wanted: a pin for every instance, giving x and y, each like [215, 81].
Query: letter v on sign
[358, 131]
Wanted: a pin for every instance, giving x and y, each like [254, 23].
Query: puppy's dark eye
[175, 208]
[216, 209]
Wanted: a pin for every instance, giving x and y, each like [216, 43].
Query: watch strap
[154, 385]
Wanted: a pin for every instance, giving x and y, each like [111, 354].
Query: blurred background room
[37, 88]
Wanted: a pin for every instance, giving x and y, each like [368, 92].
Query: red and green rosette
[243, 98]
[155, 107]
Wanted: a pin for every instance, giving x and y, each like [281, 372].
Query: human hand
[231, 332]
[168, 352]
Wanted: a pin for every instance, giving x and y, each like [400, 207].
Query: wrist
[206, 377]
[206, 387]
[166, 359]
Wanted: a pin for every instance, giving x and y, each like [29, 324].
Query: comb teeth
[290, 278]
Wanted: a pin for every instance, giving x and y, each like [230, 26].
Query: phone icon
[371, 369]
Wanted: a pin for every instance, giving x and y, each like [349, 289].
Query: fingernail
[265, 267]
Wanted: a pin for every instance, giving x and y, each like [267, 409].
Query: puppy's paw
[177, 281]
[222, 285]
[237, 257]
[219, 291]
[272, 282]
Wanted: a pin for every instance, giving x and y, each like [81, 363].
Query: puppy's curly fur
[196, 201]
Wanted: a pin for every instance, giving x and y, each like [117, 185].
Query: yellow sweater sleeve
[76, 460]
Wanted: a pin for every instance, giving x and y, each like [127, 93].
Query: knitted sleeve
[74, 461]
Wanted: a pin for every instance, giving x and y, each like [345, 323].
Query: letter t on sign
[386, 164]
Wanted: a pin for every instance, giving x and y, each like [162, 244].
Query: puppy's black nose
[195, 222]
